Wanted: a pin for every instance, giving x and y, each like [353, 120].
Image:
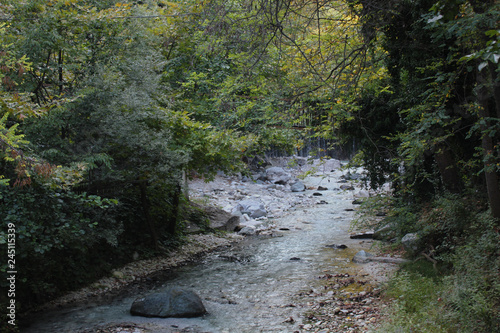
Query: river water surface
[250, 287]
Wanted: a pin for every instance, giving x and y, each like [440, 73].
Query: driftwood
[364, 235]
[389, 260]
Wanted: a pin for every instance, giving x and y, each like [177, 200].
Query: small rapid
[249, 287]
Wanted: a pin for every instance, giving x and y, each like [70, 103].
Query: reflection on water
[246, 288]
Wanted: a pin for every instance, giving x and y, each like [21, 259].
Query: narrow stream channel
[248, 287]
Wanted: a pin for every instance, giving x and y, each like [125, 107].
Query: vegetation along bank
[109, 107]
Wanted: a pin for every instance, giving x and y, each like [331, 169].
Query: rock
[262, 177]
[278, 175]
[298, 160]
[362, 257]
[357, 202]
[203, 218]
[248, 231]
[257, 162]
[321, 188]
[222, 220]
[337, 246]
[411, 243]
[173, 302]
[119, 275]
[298, 187]
[362, 194]
[317, 194]
[351, 176]
[385, 233]
[331, 164]
[295, 258]
[253, 208]
[346, 187]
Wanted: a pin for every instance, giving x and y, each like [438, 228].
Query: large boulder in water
[173, 302]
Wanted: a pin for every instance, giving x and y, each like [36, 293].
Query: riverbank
[329, 302]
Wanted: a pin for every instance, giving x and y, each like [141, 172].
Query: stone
[362, 257]
[324, 165]
[119, 275]
[337, 246]
[298, 187]
[351, 176]
[411, 243]
[362, 194]
[172, 302]
[278, 175]
[346, 187]
[221, 220]
[321, 188]
[253, 208]
[384, 233]
[317, 194]
[248, 231]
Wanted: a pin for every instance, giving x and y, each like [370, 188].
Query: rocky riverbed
[344, 297]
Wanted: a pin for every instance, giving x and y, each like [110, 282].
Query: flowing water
[250, 287]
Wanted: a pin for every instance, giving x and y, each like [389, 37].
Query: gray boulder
[411, 243]
[351, 176]
[173, 302]
[221, 220]
[298, 187]
[252, 208]
[362, 257]
[385, 233]
[331, 165]
[346, 187]
[248, 231]
[278, 175]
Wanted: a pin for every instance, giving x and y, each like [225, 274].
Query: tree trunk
[172, 227]
[490, 161]
[60, 69]
[147, 215]
[447, 169]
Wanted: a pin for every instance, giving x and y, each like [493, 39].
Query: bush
[473, 291]
[417, 306]
[467, 299]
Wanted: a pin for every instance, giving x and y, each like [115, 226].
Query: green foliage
[47, 223]
[460, 291]
[473, 290]
[416, 307]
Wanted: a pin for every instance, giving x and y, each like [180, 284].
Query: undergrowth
[459, 294]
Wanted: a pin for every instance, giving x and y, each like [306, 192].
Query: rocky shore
[348, 302]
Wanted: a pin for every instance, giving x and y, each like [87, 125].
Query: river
[254, 286]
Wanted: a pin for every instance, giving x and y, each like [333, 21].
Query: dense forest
[108, 106]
